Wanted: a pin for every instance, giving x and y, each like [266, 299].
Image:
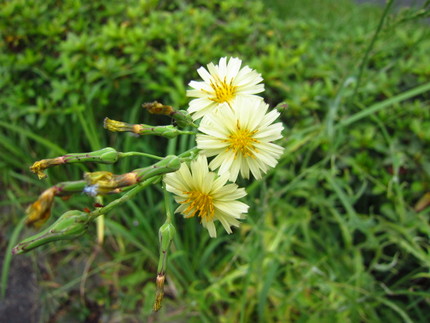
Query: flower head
[205, 194]
[222, 83]
[241, 137]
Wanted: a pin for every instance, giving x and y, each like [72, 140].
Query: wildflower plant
[235, 134]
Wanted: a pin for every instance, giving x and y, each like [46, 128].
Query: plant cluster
[339, 232]
[237, 130]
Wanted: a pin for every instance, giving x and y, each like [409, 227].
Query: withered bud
[117, 126]
[40, 211]
[100, 183]
[422, 203]
[159, 294]
[158, 108]
[39, 166]
[181, 117]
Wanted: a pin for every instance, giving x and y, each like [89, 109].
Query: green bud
[183, 119]
[166, 233]
[70, 225]
[142, 129]
[163, 131]
[168, 164]
[106, 155]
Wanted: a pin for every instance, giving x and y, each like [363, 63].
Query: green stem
[67, 188]
[189, 155]
[384, 104]
[136, 153]
[127, 196]
[370, 47]
[168, 206]
[91, 136]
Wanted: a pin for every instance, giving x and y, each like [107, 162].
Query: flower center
[199, 203]
[224, 92]
[242, 141]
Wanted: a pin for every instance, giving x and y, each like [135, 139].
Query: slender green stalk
[8, 256]
[166, 233]
[127, 196]
[137, 153]
[189, 155]
[89, 131]
[384, 104]
[370, 47]
[107, 155]
[168, 206]
[57, 149]
[144, 129]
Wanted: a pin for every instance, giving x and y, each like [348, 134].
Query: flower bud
[70, 225]
[166, 233]
[141, 129]
[106, 155]
[183, 119]
[168, 164]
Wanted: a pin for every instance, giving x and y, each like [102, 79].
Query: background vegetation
[332, 233]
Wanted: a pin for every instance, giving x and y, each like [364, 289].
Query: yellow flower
[222, 83]
[204, 194]
[241, 137]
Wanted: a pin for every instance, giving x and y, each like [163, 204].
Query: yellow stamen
[199, 203]
[242, 141]
[224, 92]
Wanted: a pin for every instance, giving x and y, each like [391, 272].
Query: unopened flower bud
[166, 233]
[106, 155]
[70, 225]
[183, 119]
[141, 129]
[168, 164]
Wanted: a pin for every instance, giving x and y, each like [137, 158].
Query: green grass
[331, 236]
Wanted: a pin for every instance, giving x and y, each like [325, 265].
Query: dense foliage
[332, 233]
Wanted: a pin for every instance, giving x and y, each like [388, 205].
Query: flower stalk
[106, 155]
[166, 234]
[144, 130]
[70, 225]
